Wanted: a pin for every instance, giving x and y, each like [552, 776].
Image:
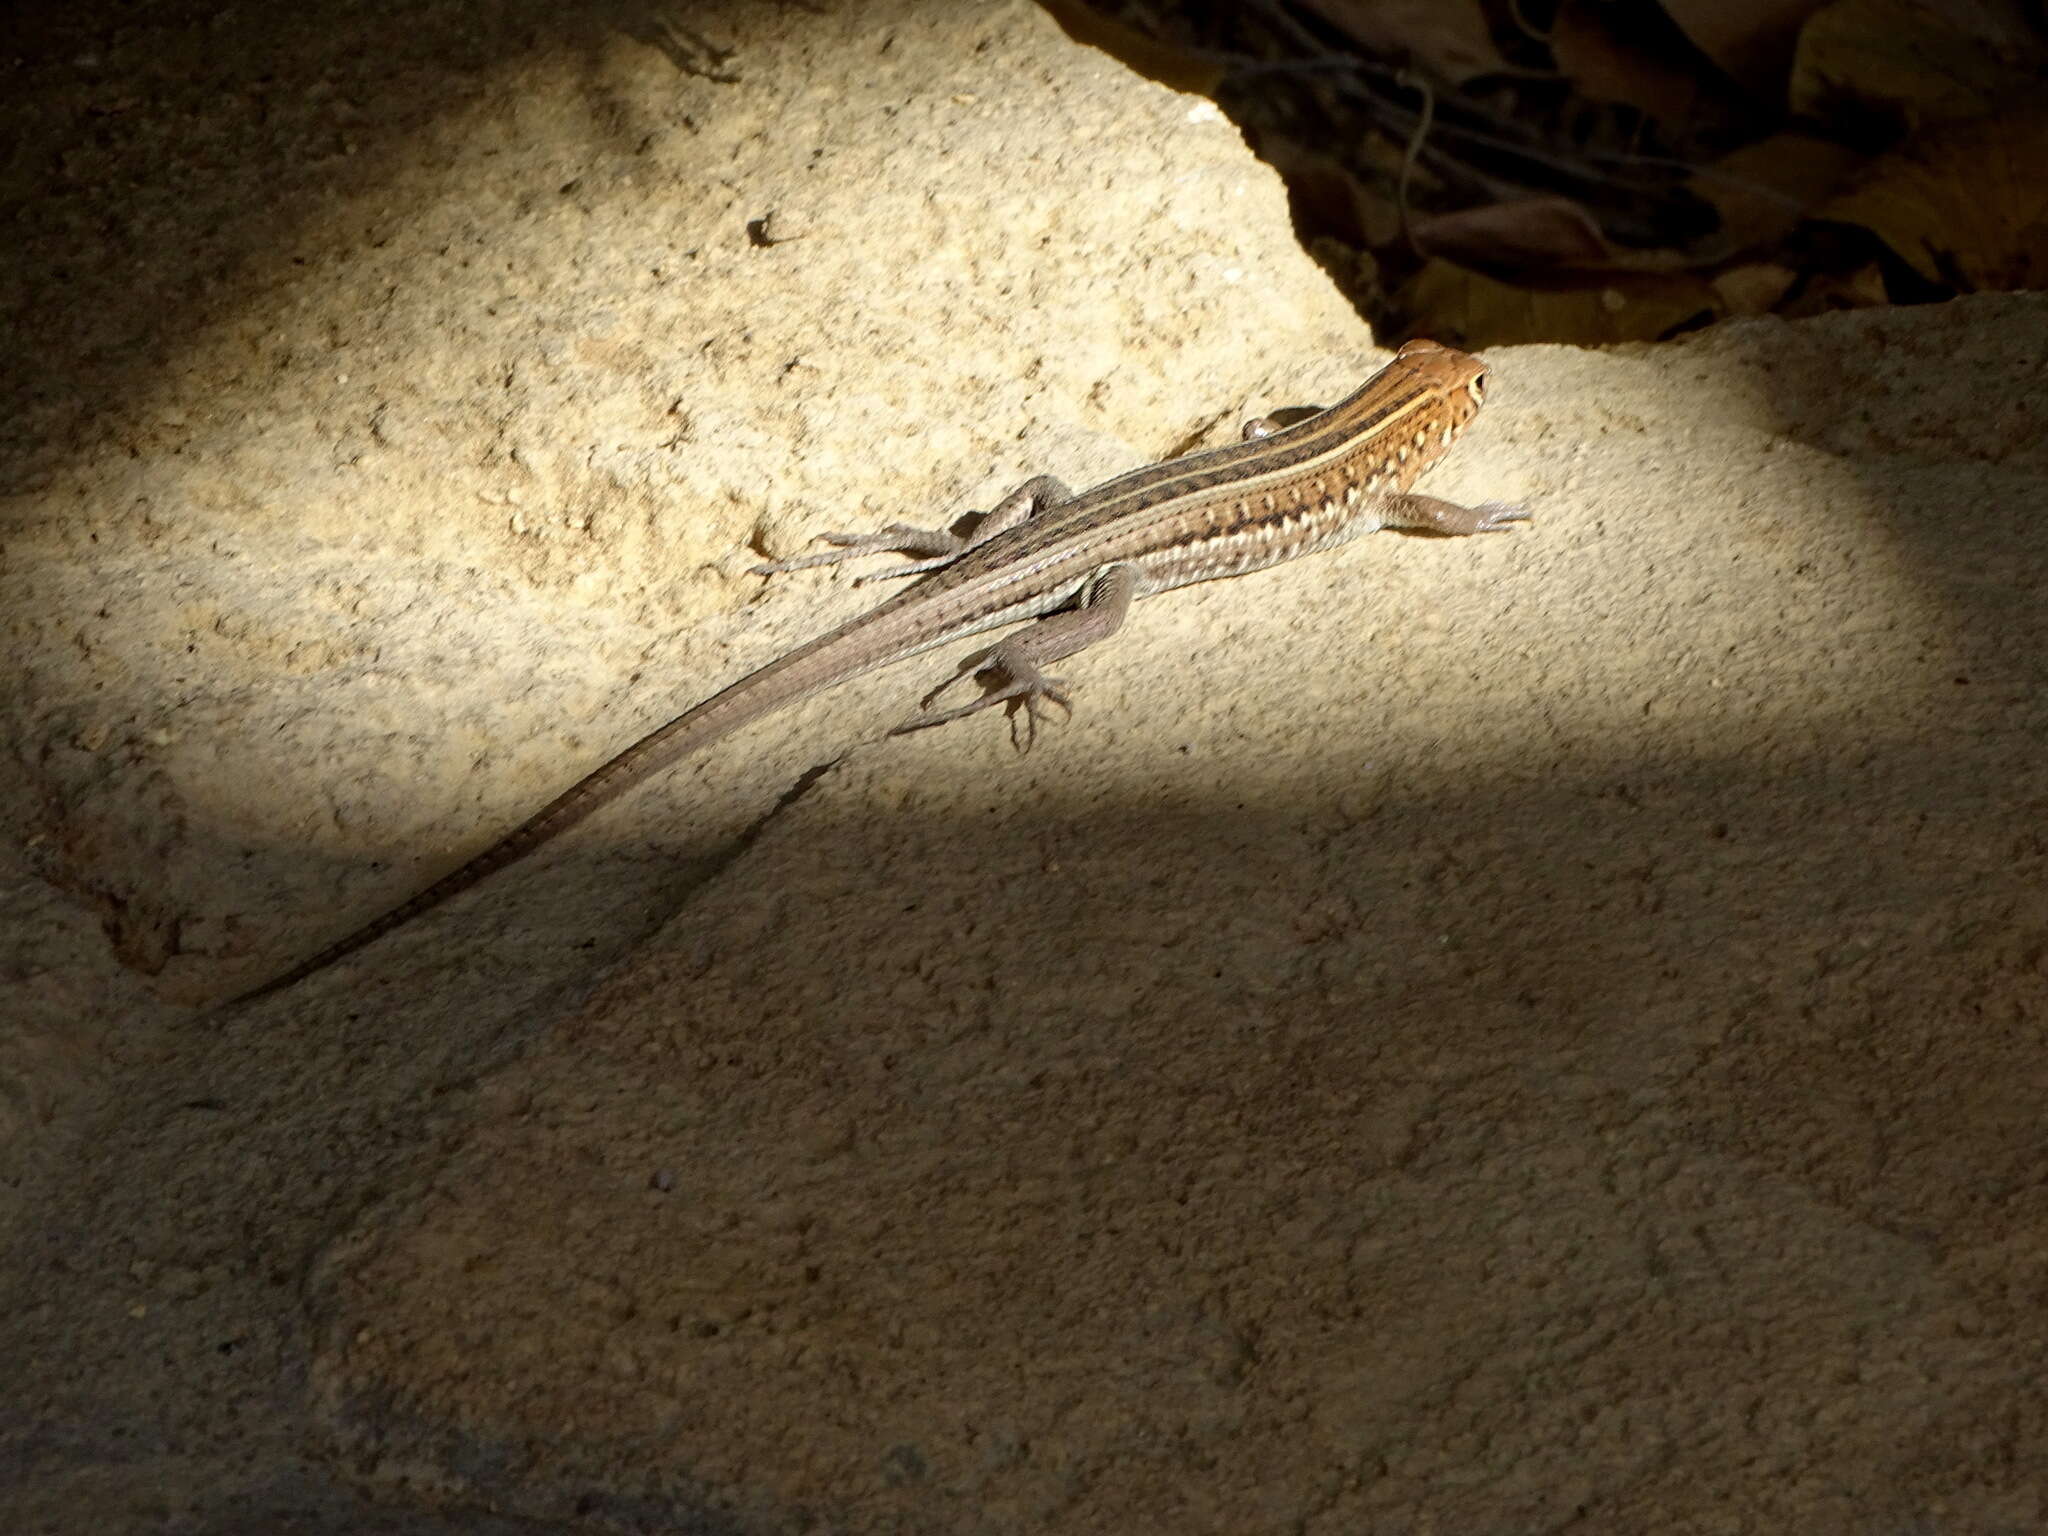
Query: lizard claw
[1494, 516]
[940, 547]
[1031, 704]
[1024, 690]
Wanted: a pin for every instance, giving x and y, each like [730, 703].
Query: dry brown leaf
[1763, 190]
[1449, 300]
[1448, 39]
[1609, 63]
[1908, 60]
[1751, 40]
[1965, 204]
[1529, 233]
[1754, 289]
[1862, 289]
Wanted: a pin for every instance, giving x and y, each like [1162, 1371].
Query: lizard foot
[939, 548]
[1494, 516]
[1024, 690]
[1431, 514]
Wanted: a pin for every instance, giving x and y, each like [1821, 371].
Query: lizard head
[1457, 378]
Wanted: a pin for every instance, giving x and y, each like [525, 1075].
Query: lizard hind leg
[1008, 680]
[939, 547]
[1012, 672]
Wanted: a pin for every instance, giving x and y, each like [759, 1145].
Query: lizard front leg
[940, 547]
[1428, 514]
[1012, 671]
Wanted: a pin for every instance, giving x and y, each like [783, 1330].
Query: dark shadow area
[1715, 939]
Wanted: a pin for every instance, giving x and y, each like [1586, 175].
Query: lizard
[1071, 563]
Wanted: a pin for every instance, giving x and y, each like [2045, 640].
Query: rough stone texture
[1498, 1035]
[430, 478]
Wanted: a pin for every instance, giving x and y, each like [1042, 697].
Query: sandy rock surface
[1476, 1035]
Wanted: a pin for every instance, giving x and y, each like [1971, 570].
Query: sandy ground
[1535, 1033]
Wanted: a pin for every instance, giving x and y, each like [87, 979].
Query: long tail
[809, 669]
